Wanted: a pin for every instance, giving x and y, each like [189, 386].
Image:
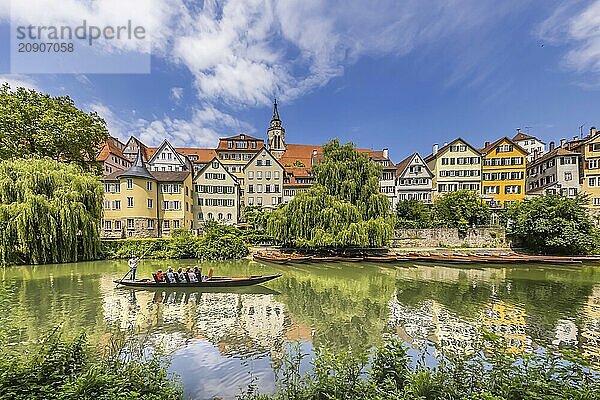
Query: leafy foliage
[553, 224]
[460, 209]
[257, 218]
[491, 375]
[59, 369]
[343, 208]
[219, 242]
[413, 214]
[49, 212]
[36, 124]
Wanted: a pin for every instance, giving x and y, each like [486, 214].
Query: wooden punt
[300, 259]
[271, 258]
[215, 281]
[381, 258]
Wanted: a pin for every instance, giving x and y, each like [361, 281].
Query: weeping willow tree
[343, 208]
[49, 212]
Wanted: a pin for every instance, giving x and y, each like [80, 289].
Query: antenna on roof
[581, 131]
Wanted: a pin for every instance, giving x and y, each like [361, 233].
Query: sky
[397, 74]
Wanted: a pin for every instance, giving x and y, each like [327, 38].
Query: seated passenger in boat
[181, 275]
[198, 272]
[170, 276]
[192, 275]
[160, 276]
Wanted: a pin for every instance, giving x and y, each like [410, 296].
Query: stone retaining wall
[450, 237]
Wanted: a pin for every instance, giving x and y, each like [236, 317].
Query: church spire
[275, 112]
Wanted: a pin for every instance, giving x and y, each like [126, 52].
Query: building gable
[217, 167]
[264, 152]
[414, 160]
[166, 156]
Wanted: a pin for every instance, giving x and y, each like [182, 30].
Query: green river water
[219, 341]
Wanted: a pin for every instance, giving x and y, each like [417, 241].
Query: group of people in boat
[188, 275]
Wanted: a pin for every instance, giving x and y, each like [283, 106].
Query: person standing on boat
[133, 263]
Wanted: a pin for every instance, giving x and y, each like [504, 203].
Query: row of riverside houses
[151, 191]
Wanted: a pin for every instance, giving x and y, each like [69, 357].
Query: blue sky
[402, 74]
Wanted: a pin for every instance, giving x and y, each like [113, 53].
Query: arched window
[229, 216]
[210, 216]
[220, 216]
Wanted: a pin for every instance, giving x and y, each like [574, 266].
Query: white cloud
[578, 26]
[116, 126]
[201, 130]
[17, 80]
[177, 93]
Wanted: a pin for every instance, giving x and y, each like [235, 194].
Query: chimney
[551, 146]
[435, 148]
[386, 153]
[593, 131]
[486, 144]
[563, 142]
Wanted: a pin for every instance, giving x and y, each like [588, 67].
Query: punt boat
[215, 281]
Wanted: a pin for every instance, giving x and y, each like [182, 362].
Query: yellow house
[590, 149]
[139, 203]
[456, 166]
[503, 177]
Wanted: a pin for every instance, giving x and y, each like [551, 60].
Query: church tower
[276, 134]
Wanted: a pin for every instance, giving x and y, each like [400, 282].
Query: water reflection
[219, 338]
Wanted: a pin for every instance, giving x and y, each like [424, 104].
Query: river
[220, 341]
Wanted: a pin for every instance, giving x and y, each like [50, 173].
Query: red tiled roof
[204, 155]
[108, 148]
[401, 166]
[522, 136]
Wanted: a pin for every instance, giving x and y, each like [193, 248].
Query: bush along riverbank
[493, 373]
[217, 243]
[71, 370]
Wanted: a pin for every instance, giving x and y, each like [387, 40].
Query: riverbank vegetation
[49, 212]
[218, 242]
[70, 369]
[343, 207]
[461, 209]
[492, 373]
[553, 224]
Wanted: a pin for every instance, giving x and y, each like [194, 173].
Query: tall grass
[493, 373]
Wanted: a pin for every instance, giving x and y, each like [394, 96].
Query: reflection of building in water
[431, 322]
[414, 325]
[590, 329]
[454, 335]
[565, 333]
[236, 323]
[508, 322]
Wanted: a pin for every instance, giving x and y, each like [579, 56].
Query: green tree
[460, 209]
[413, 214]
[49, 212]
[343, 208]
[37, 124]
[553, 224]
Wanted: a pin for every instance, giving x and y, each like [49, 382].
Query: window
[229, 216]
[250, 201]
[259, 201]
[130, 223]
[150, 203]
[118, 225]
[251, 175]
[220, 216]
[250, 188]
[268, 175]
[175, 224]
[166, 224]
[512, 189]
[593, 164]
[130, 202]
[150, 223]
[129, 183]
[200, 216]
[259, 163]
[149, 186]
[592, 181]
[597, 201]
[276, 175]
[274, 201]
[268, 163]
[108, 225]
[259, 175]
[215, 164]
[259, 189]
[568, 176]
[107, 204]
[210, 216]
